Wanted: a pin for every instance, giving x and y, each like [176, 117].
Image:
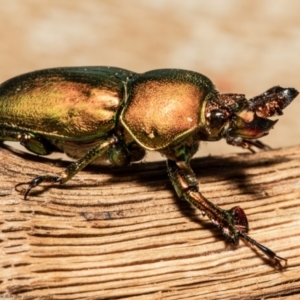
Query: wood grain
[123, 234]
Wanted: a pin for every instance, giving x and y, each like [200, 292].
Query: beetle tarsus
[272, 255]
[37, 181]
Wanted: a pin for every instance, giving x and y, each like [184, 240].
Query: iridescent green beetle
[103, 113]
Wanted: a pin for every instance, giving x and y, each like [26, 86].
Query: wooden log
[123, 234]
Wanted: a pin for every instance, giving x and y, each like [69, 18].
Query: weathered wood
[122, 233]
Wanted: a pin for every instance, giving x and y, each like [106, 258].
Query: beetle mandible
[105, 113]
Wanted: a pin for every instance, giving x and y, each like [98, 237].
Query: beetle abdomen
[67, 103]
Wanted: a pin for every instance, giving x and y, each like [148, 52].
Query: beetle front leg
[233, 222]
[187, 187]
[72, 169]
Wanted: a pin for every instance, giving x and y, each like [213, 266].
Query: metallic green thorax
[164, 106]
[103, 113]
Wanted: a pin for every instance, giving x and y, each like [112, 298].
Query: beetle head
[237, 119]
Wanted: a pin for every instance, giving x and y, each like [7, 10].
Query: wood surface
[123, 234]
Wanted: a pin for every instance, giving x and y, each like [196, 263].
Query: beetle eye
[217, 118]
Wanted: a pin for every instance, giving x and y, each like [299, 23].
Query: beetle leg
[247, 143]
[233, 222]
[73, 168]
[187, 187]
[271, 254]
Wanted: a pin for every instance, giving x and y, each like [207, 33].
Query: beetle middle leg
[232, 222]
[110, 146]
[247, 143]
[32, 142]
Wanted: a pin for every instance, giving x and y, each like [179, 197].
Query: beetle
[104, 113]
